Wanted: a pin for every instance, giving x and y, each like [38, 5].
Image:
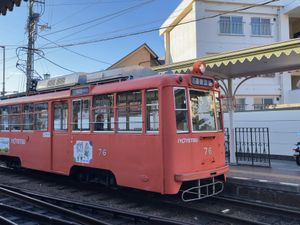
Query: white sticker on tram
[83, 151]
[187, 140]
[18, 141]
[4, 145]
[46, 134]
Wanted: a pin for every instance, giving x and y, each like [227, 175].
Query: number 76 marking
[208, 150]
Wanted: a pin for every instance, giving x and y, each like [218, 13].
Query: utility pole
[3, 75]
[33, 19]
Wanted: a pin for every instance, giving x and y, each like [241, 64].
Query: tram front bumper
[201, 174]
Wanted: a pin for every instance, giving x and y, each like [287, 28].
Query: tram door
[60, 136]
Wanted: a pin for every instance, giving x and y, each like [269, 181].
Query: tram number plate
[208, 151]
[208, 155]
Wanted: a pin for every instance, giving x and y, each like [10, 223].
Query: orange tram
[160, 133]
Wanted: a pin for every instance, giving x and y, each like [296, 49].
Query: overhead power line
[145, 24]
[109, 16]
[92, 2]
[100, 18]
[54, 63]
[77, 53]
[160, 28]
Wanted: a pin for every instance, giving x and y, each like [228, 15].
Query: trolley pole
[3, 75]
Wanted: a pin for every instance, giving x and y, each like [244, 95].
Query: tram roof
[147, 82]
[277, 57]
[36, 97]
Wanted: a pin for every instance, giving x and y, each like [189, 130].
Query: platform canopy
[277, 57]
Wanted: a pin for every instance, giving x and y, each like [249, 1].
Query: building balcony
[247, 107]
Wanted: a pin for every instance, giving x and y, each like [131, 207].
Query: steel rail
[5, 221]
[271, 208]
[219, 217]
[115, 212]
[74, 216]
[33, 215]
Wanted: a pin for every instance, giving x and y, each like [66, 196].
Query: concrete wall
[211, 41]
[284, 127]
[183, 39]
[293, 96]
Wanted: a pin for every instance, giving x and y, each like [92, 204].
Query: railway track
[94, 211]
[292, 215]
[20, 207]
[241, 211]
[140, 206]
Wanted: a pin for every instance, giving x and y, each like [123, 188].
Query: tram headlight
[199, 67]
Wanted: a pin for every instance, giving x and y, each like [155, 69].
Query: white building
[202, 27]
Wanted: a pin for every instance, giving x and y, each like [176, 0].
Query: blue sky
[111, 18]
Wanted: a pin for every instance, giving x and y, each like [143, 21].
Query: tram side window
[81, 115]
[181, 110]
[15, 111]
[5, 118]
[129, 111]
[41, 116]
[152, 110]
[103, 113]
[61, 116]
[28, 116]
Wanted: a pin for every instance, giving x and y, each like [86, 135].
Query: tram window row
[106, 112]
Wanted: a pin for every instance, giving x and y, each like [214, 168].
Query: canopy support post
[231, 123]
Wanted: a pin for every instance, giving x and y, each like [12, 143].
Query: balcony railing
[240, 107]
[246, 107]
[262, 106]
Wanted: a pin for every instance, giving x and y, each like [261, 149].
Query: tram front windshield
[202, 106]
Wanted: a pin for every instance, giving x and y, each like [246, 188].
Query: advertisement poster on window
[83, 151]
[4, 145]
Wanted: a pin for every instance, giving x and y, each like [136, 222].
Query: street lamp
[3, 87]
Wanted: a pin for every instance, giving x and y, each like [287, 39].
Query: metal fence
[252, 146]
[227, 145]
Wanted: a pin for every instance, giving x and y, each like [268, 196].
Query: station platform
[279, 184]
[281, 171]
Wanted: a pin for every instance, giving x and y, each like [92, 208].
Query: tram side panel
[36, 153]
[168, 129]
[33, 148]
[62, 152]
[134, 159]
